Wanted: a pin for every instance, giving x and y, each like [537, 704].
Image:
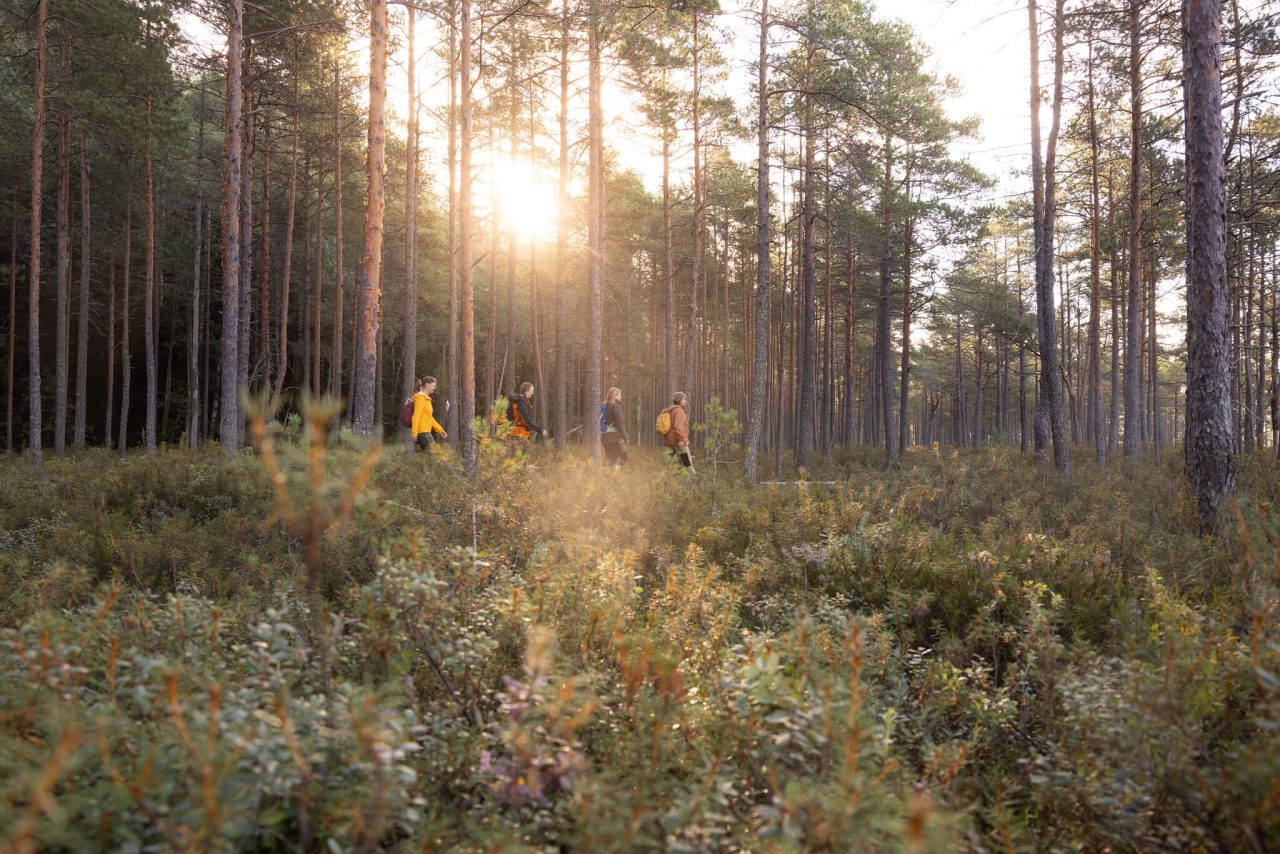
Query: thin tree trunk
[246, 240]
[465, 294]
[562, 243]
[339, 277]
[807, 355]
[33, 267]
[509, 350]
[206, 391]
[13, 333]
[1049, 403]
[1132, 353]
[110, 360]
[126, 367]
[1113, 428]
[595, 227]
[904, 381]
[367, 315]
[150, 322]
[760, 359]
[286, 274]
[451, 357]
[668, 265]
[884, 377]
[538, 370]
[1211, 451]
[82, 327]
[695, 261]
[1095, 283]
[193, 345]
[317, 291]
[492, 381]
[229, 402]
[410, 360]
[850, 350]
[262, 371]
[1022, 352]
[62, 324]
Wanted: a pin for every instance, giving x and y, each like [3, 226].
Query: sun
[527, 203]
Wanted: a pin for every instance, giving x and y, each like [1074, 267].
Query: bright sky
[982, 43]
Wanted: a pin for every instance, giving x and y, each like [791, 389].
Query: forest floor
[309, 648]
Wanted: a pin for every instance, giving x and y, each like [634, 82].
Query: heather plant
[956, 654]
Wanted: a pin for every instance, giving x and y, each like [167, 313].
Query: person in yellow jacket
[424, 421]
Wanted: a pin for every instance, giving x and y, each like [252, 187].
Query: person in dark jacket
[520, 414]
[614, 438]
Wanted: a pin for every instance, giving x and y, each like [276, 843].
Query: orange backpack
[664, 422]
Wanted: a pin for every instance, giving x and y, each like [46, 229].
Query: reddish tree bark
[370, 296]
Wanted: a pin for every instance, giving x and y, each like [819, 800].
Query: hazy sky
[982, 43]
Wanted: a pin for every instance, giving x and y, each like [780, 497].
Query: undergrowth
[965, 653]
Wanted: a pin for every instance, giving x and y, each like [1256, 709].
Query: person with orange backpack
[520, 414]
[422, 423]
[673, 426]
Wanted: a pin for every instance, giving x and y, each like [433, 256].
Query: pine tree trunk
[1275, 346]
[1211, 450]
[286, 274]
[451, 356]
[367, 315]
[1113, 424]
[850, 351]
[126, 309]
[207, 403]
[109, 433]
[668, 268]
[82, 326]
[339, 278]
[807, 355]
[1095, 282]
[150, 321]
[13, 332]
[229, 400]
[33, 267]
[308, 387]
[1049, 405]
[695, 260]
[262, 370]
[1132, 353]
[538, 369]
[904, 381]
[884, 375]
[595, 228]
[317, 292]
[562, 245]
[760, 358]
[410, 360]
[62, 325]
[244, 316]
[491, 378]
[193, 345]
[467, 403]
[509, 350]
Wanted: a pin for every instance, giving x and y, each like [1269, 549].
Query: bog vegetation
[316, 646]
